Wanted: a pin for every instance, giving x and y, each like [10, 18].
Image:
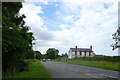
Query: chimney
[91, 47]
[75, 47]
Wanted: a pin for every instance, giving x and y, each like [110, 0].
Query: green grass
[97, 64]
[35, 70]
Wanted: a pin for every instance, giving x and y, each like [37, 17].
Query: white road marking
[99, 75]
[78, 70]
[73, 69]
[91, 74]
[108, 76]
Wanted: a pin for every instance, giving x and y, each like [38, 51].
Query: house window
[80, 53]
[85, 53]
[75, 52]
[89, 53]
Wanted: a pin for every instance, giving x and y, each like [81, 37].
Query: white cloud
[36, 23]
[45, 2]
[31, 12]
[68, 18]
[90, 24]
[63, 26]
[94, 26]
[57, 12]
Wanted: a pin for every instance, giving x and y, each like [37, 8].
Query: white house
[80, 52]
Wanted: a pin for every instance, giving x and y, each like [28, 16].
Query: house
[80, 52]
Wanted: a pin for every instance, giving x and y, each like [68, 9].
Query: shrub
[22, 66]
[100, 58]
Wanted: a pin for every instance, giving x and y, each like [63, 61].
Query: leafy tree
[45, 56]
[38, 55]
[16, 38]
[30, 54]
[52, 53]
[65, 55]
[116, 37]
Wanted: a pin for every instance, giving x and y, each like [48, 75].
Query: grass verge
[97, 64]
[35, 70]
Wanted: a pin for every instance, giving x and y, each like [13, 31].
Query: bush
[22, 66]
[19, 66]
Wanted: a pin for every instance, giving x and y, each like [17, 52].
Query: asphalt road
[64, 70]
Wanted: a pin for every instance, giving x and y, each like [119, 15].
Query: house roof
[81, 49]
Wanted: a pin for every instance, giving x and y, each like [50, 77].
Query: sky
[65, 24]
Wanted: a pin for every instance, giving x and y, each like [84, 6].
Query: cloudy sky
[67, 23]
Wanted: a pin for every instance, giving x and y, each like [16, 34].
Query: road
[64, 70]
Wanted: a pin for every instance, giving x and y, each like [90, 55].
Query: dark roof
[81, 49]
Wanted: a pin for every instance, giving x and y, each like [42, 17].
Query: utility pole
[35, 49]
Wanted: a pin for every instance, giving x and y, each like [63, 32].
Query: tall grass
[35, 70]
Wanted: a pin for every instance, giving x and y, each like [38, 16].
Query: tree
[16, 38]
[45, 56]
[30, 54]
[38, 55]
[65, 55]
[116, 37]
[52, 53]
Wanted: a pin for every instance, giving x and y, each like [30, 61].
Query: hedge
[100, 58]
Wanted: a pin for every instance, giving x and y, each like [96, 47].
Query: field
[35, 70]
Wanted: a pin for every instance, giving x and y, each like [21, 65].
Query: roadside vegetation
[16, 39]
[17, 44]
[100, 58]
[35, 70]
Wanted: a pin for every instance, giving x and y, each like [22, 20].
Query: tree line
[51, 53]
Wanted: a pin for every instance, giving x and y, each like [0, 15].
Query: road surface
[64, 70]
